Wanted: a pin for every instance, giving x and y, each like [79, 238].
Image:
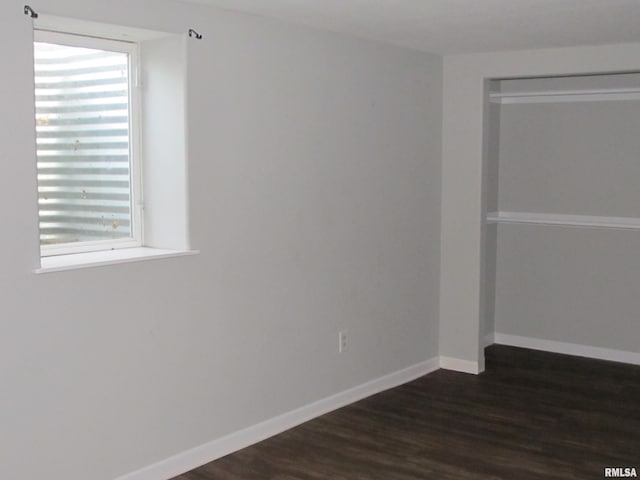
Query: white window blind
[83, 144]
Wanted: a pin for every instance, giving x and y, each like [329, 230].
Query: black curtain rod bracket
[194, 34]
[30, 11]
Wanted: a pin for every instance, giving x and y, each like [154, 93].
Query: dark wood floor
[531, 415]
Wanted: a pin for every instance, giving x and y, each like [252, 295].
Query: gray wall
[571, 158]
[571, 285]
[567, 284]
[492, 190]
[314, 175]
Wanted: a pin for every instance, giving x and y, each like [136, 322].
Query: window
[94, 82]
[87, 144]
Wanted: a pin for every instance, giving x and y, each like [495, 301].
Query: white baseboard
[466, 366]
[460, 365]
[568, 348]
[185, 461]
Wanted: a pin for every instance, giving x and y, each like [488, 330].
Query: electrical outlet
[342, 341]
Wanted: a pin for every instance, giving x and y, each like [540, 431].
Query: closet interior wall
[563, 223]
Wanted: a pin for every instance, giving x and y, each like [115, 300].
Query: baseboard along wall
[460, 365]
[190, 459]
[565, 348]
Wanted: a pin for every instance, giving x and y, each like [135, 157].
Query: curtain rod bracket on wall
[194, 34]
[30, 11]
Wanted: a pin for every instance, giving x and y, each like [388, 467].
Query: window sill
[77, 261]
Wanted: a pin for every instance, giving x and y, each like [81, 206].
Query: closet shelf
[559, 96]
[620, 223]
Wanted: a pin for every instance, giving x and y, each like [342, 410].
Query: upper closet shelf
[559, 96]
[624, 223]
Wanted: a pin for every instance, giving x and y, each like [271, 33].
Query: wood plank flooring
[532, 415]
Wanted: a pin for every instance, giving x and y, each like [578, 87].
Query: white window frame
[135, 141]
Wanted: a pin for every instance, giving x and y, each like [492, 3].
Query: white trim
[185, 461]
[569, 348]
[561, 96]
[109, 257]
[96, 29]
[70, 39]
[88, 247]
[625, 223]
[131, 49]
[460, 365]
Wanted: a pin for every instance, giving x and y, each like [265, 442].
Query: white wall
[314, 175]
[463, 199]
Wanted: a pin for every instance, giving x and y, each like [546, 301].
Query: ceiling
[460, 26]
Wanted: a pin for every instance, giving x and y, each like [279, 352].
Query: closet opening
[562, 225]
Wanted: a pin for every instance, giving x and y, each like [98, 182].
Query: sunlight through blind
[83, 148]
